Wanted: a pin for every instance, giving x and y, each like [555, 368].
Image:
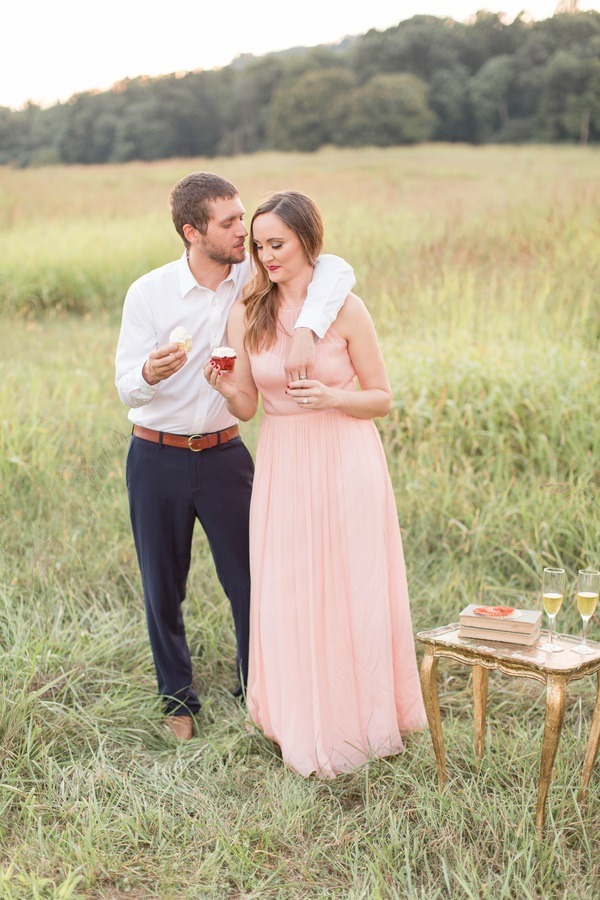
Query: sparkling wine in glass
[553, 591]
[588, 586]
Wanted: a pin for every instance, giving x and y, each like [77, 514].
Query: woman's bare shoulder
[353, 312]
[237, 313]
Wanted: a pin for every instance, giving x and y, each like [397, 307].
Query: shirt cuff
[148, 390]
[313, 319]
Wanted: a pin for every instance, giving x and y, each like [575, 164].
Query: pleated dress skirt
[333, 676]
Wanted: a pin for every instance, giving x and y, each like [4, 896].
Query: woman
[333, 676]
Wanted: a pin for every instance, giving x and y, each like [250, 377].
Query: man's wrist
[304, 330]
[146, 374]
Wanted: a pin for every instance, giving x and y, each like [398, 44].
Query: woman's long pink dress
[333, 674]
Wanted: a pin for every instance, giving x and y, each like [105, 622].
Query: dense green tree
[489, 35]
[570, 100]
[490, 93]
[176, 118]
[89, 126]
[387, 110]
[187, 107]
[450, 100]
[309, 113]
[421, 45]
[246, 95]
[247, 89]
[13, 130]
[575, 34]
[254, 91]
[31, 136]
[142, 134]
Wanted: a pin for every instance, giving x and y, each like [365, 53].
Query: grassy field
[480, 267]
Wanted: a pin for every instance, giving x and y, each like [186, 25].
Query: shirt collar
[187, 282]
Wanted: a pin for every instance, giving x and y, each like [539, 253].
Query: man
[186, 460]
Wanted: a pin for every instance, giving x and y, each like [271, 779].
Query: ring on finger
[305, 400]
[302, 377]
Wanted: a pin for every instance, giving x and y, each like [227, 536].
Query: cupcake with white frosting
[182, 338]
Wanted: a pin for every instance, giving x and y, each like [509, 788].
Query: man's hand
[163, 363]
[301, 358]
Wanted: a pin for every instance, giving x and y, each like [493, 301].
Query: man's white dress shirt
[169, 296]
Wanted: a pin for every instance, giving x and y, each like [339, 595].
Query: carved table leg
[432, 708]
[592, 747]
[480, 690]
[555, 710]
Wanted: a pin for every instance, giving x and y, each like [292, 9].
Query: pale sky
[51, 50]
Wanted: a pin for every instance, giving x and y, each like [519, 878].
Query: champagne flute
[588, 586]
[553, 591]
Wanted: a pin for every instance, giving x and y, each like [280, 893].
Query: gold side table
[555, 670]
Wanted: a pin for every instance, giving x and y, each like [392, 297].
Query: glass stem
[551, 628]
[586, 619]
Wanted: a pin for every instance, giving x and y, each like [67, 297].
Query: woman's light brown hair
[260, 298]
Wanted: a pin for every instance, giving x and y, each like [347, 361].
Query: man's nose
[242, 230]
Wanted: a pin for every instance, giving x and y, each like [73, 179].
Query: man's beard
[223, 258]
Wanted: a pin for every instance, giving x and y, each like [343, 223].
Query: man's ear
[191, 234]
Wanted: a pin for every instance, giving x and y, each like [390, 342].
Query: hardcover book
[517, 621]
[498, 634]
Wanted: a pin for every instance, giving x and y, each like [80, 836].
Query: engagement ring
[305, 400]
[302, 377]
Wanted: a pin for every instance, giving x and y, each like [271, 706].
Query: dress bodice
[333, 367]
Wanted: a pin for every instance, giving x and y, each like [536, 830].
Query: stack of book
[500, 623]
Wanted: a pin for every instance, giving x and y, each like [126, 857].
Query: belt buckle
[191, 438]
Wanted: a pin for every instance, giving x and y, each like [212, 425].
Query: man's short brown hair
[191, 198]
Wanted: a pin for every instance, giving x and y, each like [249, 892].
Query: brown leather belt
[193, 442]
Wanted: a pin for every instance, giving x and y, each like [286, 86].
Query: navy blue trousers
[169, 488]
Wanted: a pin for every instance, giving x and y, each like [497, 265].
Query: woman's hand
[223, 381]
[310, 394]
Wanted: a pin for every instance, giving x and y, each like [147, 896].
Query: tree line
[427, 78]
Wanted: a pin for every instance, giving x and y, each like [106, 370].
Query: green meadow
[481, 269]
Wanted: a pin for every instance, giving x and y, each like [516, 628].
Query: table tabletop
[499, 655]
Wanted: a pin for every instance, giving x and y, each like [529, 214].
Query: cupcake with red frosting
[224, 357]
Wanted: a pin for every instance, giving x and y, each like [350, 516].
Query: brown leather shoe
[179, 726]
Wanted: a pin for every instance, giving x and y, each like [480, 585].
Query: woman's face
[278, 248]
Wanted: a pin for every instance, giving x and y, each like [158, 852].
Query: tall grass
[479, 269]
[487, 237]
